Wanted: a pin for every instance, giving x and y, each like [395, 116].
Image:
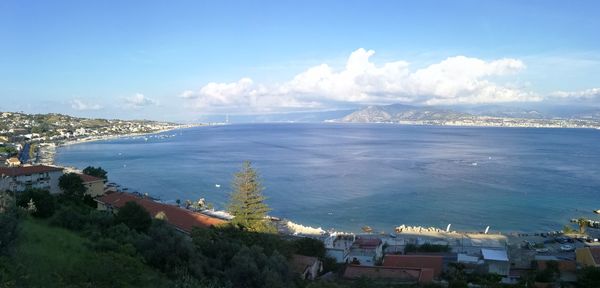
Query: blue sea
[345, 176]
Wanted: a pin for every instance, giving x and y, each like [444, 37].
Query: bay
[345, 176]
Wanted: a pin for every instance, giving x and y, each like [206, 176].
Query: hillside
[398, 112]
[47, 256]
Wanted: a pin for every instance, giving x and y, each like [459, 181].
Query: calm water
[347, 176]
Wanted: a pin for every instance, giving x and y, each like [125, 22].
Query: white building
[366, 251]
[337, 246]
[20, 179]
[496, 261]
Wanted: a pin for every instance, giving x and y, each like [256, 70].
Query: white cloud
[80, 105]
[588, 94]
[139, 100]
[454, 80]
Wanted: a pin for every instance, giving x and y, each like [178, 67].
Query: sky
[179, 60]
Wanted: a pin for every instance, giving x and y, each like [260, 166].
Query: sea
[346, 176]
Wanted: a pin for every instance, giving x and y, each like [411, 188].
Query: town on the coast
[417, 256]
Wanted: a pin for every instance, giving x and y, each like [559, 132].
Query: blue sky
[176, 60]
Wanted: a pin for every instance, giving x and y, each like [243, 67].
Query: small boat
[597, 211]
[367, 229]
[218, 185]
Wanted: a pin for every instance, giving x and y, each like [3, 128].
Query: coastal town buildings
[400, 274]
[433, 262]
[94, 186]
[13, 162]
[19, 179]
[496, 261]
[337, 246]
[366, 251]
[182, 219]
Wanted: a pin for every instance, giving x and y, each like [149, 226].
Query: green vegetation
[247, 202]
[96, 172]
[588, 277]
[43, 202]
[134, 216]
[8, 150]
[72, 187]
[54, 257]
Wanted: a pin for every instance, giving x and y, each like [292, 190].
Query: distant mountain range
[401, 113]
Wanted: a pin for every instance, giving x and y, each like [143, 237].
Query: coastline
[47, 151]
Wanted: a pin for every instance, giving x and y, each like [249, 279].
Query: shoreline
[47, 150]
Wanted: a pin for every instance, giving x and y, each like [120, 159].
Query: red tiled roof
[436, 263]
[27, 170]
[423, 275]
[89, 178]
[182, 219]
[300, 262]
[368, 243]
[563, 265]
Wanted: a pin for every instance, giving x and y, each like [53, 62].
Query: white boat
[597, 211]
[218, 185]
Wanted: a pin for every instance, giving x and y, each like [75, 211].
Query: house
[496, 261]
[366, 251]
[307, 267]
[433, 262]
[337, 246]
[410, 275]
[13, 162]
[94, 186]
[22, 178]
[588, 256]
[182, 219]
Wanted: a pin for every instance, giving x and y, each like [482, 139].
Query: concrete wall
[94, 189]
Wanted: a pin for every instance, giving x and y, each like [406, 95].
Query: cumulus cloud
[80, 105]
[583, 95]
[455, 80]
[139, 100]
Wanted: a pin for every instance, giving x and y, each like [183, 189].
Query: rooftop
[395, 273]
[436, 263]
[182, 219]
[494, 255]
[89, 179]
[27, 170]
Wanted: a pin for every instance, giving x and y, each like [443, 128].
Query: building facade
[19, 179]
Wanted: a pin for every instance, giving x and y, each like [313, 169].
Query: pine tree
[246, 202]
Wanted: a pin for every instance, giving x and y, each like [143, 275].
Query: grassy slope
[54, 257]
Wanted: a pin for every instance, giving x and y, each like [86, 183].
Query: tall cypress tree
[246, 201]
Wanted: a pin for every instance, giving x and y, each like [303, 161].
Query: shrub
[9, 229]
[45, 203]
[72, 187]
[134, 216]
[309, 247]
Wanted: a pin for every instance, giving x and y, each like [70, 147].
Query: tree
[96, 172]
[310, 247]
[246, 202]
[72, 186]
[582, 222]
[134, 216]
[42, 200]
[588, 277]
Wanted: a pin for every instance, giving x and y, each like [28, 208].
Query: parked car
[542, 250]
[567, 248]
